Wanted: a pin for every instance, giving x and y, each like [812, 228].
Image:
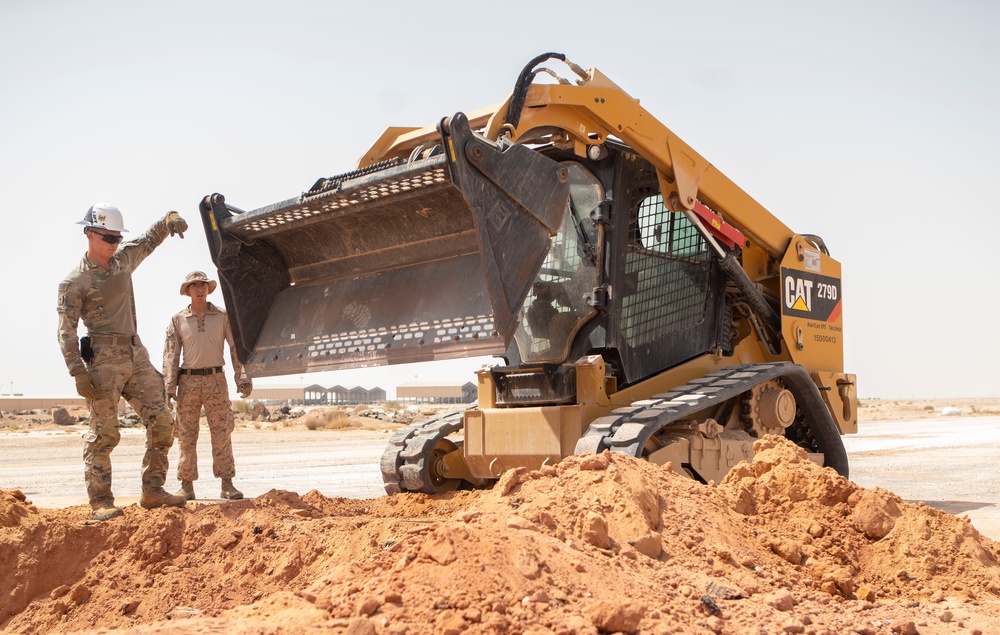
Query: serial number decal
[810, 295]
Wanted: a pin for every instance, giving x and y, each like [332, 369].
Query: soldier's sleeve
[69, 307]
[133, 252]
[171, 358]
[239, 373]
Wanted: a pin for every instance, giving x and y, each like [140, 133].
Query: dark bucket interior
[415, 261]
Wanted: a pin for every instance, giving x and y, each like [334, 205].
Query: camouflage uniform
[104, 300]
[195, 391]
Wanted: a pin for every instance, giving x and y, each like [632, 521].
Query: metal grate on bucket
[469, 328]
[338, 200]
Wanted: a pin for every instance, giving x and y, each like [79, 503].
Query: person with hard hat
[199, 332]
[111, 362]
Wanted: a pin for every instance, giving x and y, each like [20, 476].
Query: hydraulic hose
[739, 277]
[524, 80]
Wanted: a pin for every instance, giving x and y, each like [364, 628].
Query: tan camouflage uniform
[105, 301]
[195, 391]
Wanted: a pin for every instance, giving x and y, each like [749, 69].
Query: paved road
[950, 463]
[48, 466]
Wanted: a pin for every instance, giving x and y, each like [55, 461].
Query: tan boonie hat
[196, 276]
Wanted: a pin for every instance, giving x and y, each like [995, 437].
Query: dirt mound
[593, 544]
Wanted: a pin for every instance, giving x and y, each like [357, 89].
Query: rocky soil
[594, 544]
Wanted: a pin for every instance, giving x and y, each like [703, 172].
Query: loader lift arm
[595, 111]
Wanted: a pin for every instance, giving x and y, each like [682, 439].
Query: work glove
[245, 388]
[85, 386]
[171, 398]
[176, 224]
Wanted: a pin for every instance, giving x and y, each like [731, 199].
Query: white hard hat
[104, 216]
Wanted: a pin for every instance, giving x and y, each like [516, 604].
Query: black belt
[201, 371]
[115, 340]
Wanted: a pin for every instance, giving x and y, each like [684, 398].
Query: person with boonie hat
[193, 364]
[110, 362]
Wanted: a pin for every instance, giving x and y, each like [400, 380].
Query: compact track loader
[641, 302]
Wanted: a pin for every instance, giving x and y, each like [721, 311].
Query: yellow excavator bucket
[403, 261]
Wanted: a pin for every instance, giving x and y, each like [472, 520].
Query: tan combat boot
[158, 497]
[229, 492]
[186, 490]
[105, 512]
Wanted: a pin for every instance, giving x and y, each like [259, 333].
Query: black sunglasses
[108, 238]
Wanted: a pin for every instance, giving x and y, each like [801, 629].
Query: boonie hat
[196, 276]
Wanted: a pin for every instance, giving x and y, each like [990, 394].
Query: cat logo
[810, 295]
[798, 293]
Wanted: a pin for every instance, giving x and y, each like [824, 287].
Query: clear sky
[874, 124]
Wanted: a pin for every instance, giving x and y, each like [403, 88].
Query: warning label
[810, 295]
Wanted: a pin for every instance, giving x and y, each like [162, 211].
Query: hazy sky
[873, 124]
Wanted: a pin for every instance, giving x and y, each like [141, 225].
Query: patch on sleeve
[66, 297]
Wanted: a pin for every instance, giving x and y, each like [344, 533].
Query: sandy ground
[907, 409]
[592, 545]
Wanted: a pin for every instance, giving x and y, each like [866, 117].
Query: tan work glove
[171, 398]
[85, 386]
[176, 224]
[245, 388]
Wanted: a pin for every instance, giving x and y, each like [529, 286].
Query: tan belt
[115, 340]
[201, 371]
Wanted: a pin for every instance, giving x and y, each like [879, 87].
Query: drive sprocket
[769, 408]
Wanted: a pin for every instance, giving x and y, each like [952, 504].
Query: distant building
[437, 393]
[20, 403]
[318, 395]
[275, 395]
[338, 394]
[357, 395]
[294, 395]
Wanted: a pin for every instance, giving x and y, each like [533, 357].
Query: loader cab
[670, 295]
[644, 291]
[560, 300]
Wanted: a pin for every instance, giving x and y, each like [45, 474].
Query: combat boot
[229, 492]
[158, 497]
[186, 490]
[105, 512]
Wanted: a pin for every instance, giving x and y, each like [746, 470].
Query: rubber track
[626, 430]
[404, 461]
